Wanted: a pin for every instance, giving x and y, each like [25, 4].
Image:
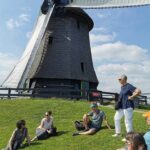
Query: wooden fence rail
[8, 93]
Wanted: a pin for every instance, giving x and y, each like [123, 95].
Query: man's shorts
[92, 126]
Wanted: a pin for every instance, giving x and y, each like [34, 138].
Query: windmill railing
[64, 92]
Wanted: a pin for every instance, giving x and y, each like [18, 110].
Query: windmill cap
[93, 105]
[147, 114]
[123, 76]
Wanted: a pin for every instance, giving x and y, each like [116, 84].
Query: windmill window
[50, 40]
[82, 66]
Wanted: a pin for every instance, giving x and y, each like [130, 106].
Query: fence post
[101, 98]
[9, 93]
[145, 100]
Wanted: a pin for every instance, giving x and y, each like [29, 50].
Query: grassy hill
[65, 112]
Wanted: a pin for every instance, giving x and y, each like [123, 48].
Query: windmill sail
[18, 75]
[106, 3]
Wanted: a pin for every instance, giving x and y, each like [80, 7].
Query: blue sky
[120, 41]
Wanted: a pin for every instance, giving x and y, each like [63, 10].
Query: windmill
[58, 54]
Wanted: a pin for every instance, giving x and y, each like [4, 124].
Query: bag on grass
[79, 125]
[54, 131]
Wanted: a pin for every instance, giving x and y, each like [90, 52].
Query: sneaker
[116, 135]
[123, 140]
[75, 134]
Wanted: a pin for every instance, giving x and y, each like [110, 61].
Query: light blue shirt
[147, 139]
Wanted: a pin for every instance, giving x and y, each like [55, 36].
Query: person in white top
[46, 128]
[47, 121]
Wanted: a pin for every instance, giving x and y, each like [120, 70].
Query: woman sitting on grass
[18, 136]
[46, 128]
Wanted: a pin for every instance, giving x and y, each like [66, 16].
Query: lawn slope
[64, 112]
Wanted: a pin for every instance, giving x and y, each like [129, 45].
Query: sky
[120, 42]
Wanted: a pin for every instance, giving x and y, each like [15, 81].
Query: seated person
[25, 132]
[46, 128]
[147, 134]
[93, 125]
[18, 136]
[134, 141]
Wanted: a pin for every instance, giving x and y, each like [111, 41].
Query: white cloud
[101, 38]
[21, 20]
[138, 75]
[100, 29]
[119, 51]
[28, 35]
[117, 58]
[7, 62]
[103, 16]
[26, 9]
[24, 17]
[125, 68]
[10, 23]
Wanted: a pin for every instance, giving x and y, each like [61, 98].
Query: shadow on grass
[32, 144]
[59, 133]
[105, 127]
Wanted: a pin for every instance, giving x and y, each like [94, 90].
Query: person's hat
[122, 77]
[147, 114]
[93, 105]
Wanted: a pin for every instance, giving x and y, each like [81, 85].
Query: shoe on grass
[116, 135]
[75, 134]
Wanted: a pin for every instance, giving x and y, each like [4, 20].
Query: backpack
[79, 125]
[54, 131]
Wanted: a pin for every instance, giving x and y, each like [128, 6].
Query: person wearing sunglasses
[134, 141]
[125, 106]
[46, 128]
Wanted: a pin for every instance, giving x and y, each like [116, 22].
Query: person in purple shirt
[125, 106]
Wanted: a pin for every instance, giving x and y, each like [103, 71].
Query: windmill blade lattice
[107, 3]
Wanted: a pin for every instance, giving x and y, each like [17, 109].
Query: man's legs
[89, 132]
[117, 118]
[128, 113]
[86, 121]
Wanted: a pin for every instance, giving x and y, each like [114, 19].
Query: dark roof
[81, 13]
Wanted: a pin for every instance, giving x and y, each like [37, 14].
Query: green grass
[64, 112]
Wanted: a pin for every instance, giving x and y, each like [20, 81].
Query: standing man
[126, 105]
[147, 134]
